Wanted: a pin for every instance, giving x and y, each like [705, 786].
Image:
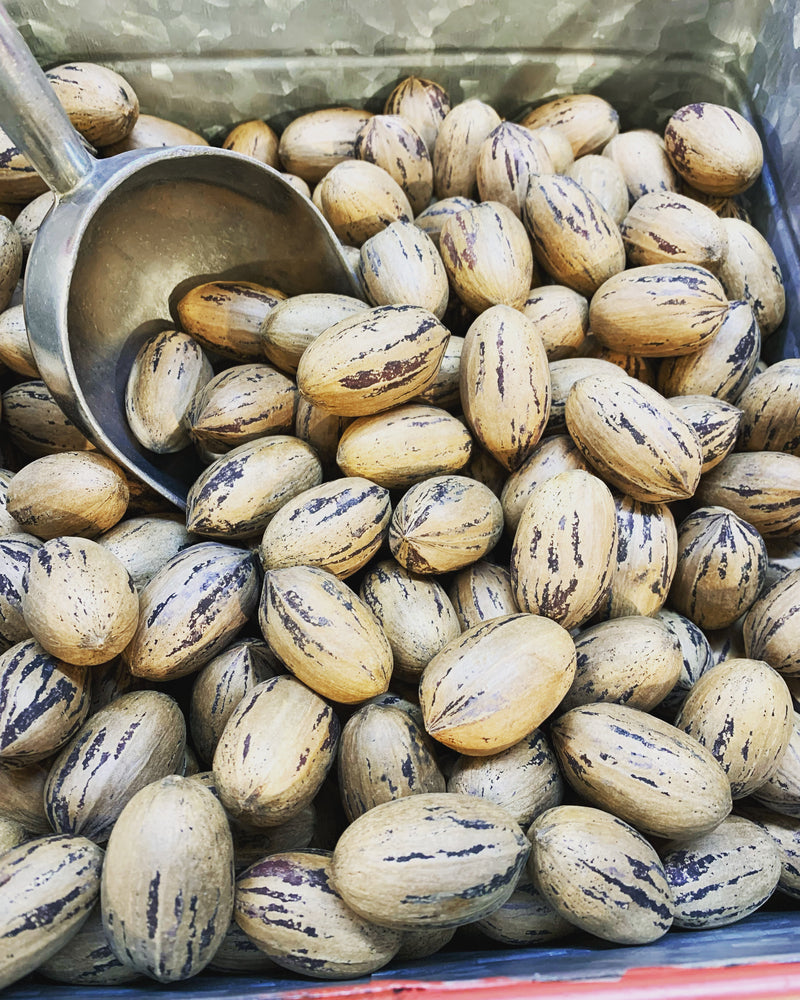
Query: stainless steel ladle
[126, 238]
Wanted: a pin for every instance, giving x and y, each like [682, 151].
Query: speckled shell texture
[167, 883]
[325, 634]
[601, 875]
[565, 548]
[740, 710]
[289, 905]
[139, 738]
[721, 876]
[49, 888]
[434, 860]
[191, 609]
[496, 682]
[643, 770]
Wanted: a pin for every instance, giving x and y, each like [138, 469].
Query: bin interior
[209, 64]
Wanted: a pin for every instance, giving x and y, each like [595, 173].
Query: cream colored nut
[79, 601]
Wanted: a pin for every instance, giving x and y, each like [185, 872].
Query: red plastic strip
[766, 981]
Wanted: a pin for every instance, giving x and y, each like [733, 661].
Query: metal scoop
[127, 237]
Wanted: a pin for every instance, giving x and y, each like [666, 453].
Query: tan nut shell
[714, 148]
[558, 146]
[226, 316]
[144, 544]
[221, 685]
[631, 660]
[100, 103]
[508, 158]
[781, 791]
[36, 424]
[138, 738]
[564, 373]
[597, 872]
[322, 430]
[287, 904]
[524, 779]
[313, 143]
[588, 121]
[383, 756]
[715, 422]
[421, 102]
[741, 710]
[79, 601]
[505, 384]
[151, 132]
[751, 271]
[666, 227]
[724, 366]
[401, 266]
[167, 372]
[19, 181]
[291, 326]
[642, 157]
[373, 361]
[255, 139]
[359, 199]
[575, 239]
[565, 548]
[444, 524]
[482, 591]
[240, 404]
[15, 557]
[87, 958]
[274, 752]
[15, 349]
[238, 493]
[171, 841]
[526, 919]
[191, 609]
[434, 217]
[647, 552]
[10, 260]
[44, 702]
[337, 526]
[414, 612]
[325, 634]
[445, 390]
[659, 310]
[57, 876]
[71, 493]
[404, 446]
[22, 791]
[551, 456]
[496, 682]
[674, 789]
[772, 626]
[770, 415]
[634, 438]
[761, 487]
[433, 860]
[392, 143]
[561, 318]
[602, 177]
[487, 255]
[458, 144]
[722, 876]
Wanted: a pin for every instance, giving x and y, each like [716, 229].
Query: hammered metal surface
[211, 63]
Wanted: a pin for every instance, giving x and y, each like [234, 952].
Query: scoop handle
[32, 116]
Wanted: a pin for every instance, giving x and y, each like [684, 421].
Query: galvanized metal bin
[211, 63]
